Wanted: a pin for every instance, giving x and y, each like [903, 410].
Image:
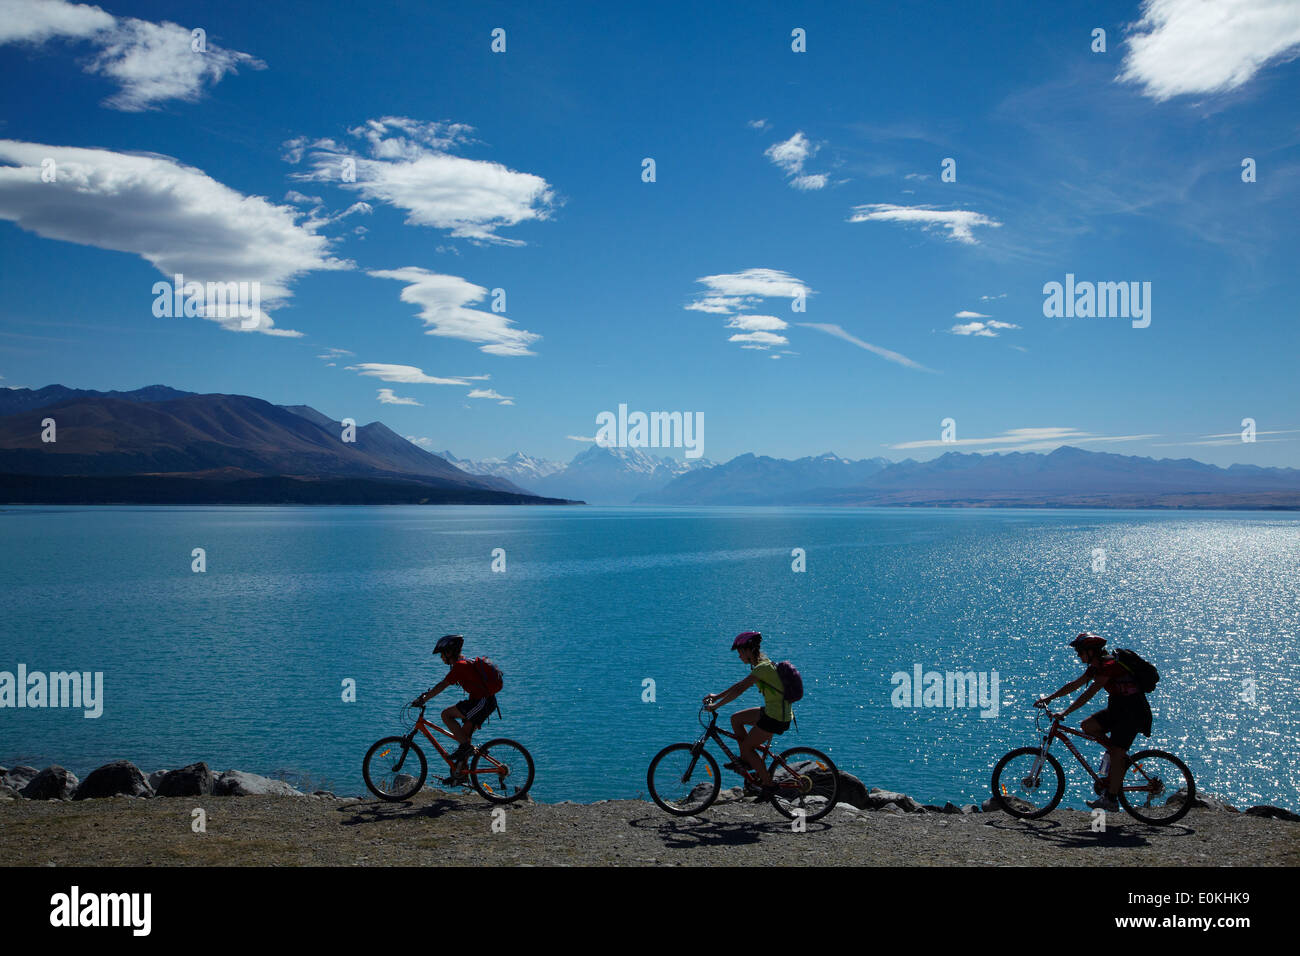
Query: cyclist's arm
[1069, 688]
[734, 691]
[435, 690]
[1086, 696]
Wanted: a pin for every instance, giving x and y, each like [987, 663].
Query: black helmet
[449, 642]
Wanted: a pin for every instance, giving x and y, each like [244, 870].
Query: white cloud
[719, 305]
[443, 301]
[591, 440]
[958, 222]
[175, 217]
[410, 167]
[151, 62]
[791, 155]
[985, 329]
[1182, 47]
[1025, 439]
[760, 124]
[759, 340]
[387, 397]
[489, 393]
[839, 333]
[404, 374]
[756, 323]
[965, 314]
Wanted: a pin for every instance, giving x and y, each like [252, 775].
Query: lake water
[243, 665]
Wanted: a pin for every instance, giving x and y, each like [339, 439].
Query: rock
[9, 793]
[852, 791]
[993, 805]
[237, 783]
[192, 781]
[878, 799]
[731, 795]
[52, 783]
[118, 777]
[19, 777]
[155, 778]
[324, 793]
[1206, 801]
[891, 807]
[1274, 813]
[968, 808]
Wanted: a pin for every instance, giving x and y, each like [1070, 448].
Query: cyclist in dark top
[1127, 711]
[467, 716]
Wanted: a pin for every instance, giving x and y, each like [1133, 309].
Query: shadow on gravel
[380, 811]
[1052, 831]
[696, 831]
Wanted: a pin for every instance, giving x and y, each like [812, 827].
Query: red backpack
[489, 674]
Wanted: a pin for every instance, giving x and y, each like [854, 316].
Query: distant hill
[760, 480]
[614, 476]
[163, 432]
[1067, 477]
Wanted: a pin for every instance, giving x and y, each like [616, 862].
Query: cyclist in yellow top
[772, 718]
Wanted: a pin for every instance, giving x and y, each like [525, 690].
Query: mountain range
[162, 444]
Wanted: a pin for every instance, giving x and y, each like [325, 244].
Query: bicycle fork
[1031, 781]
[695, 758]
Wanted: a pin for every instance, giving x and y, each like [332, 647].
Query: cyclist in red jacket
[471, 713]
[1127, 711]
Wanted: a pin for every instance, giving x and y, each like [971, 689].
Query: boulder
[993, 804]
[52, 783]
[852, 791]
[9, 793]
[1206, 801]
[155, 778]
[1274, 813]
[19, 777]
[237, 783]
[878, 799]
[119, 777]
[192, 781]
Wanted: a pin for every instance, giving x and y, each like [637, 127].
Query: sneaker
[1105, 802]
[462, 753]
[459, 777]
[765, 794]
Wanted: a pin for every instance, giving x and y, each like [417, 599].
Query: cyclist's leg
[454, 718]
[749, 753]
[742, 719]
[1096, 727]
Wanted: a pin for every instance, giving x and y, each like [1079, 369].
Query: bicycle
[501, 770]
[806, 780]
[1151, 774]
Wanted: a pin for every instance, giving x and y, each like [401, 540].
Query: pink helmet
[1088, 641]
[745, 639]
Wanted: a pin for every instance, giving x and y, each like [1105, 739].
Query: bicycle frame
[1058, 731]
[422, 724]
[712, 732]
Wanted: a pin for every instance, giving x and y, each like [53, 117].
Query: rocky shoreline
[119, 816]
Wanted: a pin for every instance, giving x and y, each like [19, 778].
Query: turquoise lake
[243, 665]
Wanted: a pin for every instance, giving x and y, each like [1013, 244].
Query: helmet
[1088, 641]
[450, 642]
[744, 640]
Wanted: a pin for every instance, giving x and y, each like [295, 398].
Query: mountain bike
[684, 778]
[1028, 782]
[501, 770]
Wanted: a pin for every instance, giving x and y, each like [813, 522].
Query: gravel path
[448, 828]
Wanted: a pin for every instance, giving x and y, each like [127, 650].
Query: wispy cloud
[443, 301]
[1023, 439]
[891, 356]
[405, 374]
[732, 293]
[1185, 47]
[791, 155]
[983, 329]
[151, 62]
[407, 164]
[175, 217]
[959, 223]
[387, 397]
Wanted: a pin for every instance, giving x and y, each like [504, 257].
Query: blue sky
[775, 172]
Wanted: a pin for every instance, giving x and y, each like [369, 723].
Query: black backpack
[1143, 671]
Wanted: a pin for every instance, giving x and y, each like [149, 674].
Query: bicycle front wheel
[502, 770]
[1158, 788]
[394, 769]
[683, 782]
[806, 782]
[1024, 791]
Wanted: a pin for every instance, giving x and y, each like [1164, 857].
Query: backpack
[1143, 671]
[791, 682]
[489, 673]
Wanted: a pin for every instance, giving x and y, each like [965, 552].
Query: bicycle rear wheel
[1022, 792]
[683, 782]
[502, 770]
[389, 769]
[806, 782]
[1158, 788]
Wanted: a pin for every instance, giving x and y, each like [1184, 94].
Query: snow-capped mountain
[519, 468]
[616, 476]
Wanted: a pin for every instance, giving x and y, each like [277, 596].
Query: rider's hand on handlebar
[709, 702]
[1041, 702]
